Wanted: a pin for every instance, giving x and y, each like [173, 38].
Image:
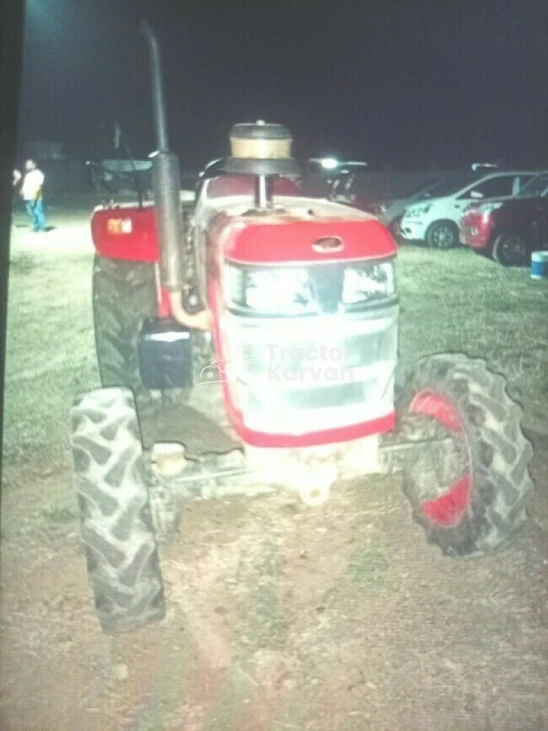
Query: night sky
[387, 82]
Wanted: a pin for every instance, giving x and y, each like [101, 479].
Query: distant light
[329, 163]
[481, 165]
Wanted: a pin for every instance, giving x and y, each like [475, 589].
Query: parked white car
[436, 220]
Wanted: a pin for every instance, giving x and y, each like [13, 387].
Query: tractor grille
[303, 377]
[323, 398]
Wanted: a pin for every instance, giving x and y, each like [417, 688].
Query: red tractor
[276, 316]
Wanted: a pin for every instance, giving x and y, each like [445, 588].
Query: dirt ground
[280, 616]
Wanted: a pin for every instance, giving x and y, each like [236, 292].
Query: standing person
[31, 192]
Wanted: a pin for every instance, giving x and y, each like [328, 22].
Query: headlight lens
[368, 283]
[278, 290]
[417, 211]
[321, 288]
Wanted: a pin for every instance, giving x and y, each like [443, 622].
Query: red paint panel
[164, 308]
[481, 222]
[313, 439]
[125, 233]
[286, 239]
[435, 405]
[448, 509]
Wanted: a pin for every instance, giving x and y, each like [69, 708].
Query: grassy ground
[458, 301]
[50, 345]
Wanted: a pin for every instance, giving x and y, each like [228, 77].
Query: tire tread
[121, 549]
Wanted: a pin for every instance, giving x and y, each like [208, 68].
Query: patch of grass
[22, 264]
[456, 301]
[266, 622]
[270, 625]
[61, 514]
[49, 354]
[368, 568]
[229, 705]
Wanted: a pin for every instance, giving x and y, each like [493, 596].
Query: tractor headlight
[368, 282]
[316, 289]
[270, 291]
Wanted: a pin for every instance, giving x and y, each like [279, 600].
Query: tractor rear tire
[483, 504]
[116, 523]
[124, 294]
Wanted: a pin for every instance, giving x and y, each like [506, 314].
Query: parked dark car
[390, 209]
[509, 229]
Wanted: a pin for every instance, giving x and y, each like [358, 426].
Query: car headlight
[316, 289]
[417, 211]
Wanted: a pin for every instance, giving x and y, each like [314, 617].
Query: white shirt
[32, 185]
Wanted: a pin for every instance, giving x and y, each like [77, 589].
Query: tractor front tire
[117, 531]
[482, 505]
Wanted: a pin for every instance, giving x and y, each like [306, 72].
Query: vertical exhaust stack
[166, 179]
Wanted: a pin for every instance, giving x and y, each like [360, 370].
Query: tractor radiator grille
[307, 377]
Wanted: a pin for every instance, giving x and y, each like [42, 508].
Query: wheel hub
[444, 237]
[514, 250]
[443, 489]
